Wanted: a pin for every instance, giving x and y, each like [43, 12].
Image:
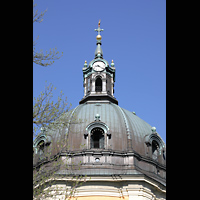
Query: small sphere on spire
[98, 37]
[99, 54]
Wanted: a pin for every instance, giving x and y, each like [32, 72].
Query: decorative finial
[85, 64]
[153, 129]
[99, 54]
[99, 23]
[98, 49]
[112, 64]
[99, 31]
[97, 117]
[98, 37]
[43, 129]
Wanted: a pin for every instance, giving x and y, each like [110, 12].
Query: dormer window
[97, 134]
[155, 150]
[41, 147]
[98, 85]
[97, 138]
[155, 146]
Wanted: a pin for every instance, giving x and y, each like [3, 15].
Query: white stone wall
[112, 187]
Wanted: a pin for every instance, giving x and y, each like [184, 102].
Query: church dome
[127, 131]
[122, 133]
[101, 138]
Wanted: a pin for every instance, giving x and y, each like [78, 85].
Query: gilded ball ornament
[98, 37]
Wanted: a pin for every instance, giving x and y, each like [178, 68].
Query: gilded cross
[99, 29]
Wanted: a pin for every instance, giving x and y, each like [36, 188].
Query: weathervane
[99, 29]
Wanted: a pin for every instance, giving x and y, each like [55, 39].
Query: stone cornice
[107, 152]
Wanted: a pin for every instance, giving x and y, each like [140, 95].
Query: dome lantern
[98, 77]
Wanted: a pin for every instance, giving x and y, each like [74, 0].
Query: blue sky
[134, 37]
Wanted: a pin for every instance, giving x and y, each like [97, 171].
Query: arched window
[41, 147]
[155, 150]
[98, 85]
[88, 85]
[97, 138]
[97, 134]
[155, 146]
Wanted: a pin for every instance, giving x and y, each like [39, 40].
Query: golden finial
[85, 64]
[98, 37]
[99, 23]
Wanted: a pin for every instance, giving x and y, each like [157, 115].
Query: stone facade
[114, 187]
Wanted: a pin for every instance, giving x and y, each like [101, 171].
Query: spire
[98, 52]
[98, 77]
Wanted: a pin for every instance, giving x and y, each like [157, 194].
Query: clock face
[99, 66]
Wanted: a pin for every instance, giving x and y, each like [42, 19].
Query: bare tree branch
[38, 56]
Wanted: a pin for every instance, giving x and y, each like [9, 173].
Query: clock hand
[100, 66]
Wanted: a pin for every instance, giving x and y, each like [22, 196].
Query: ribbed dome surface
[122, 124]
